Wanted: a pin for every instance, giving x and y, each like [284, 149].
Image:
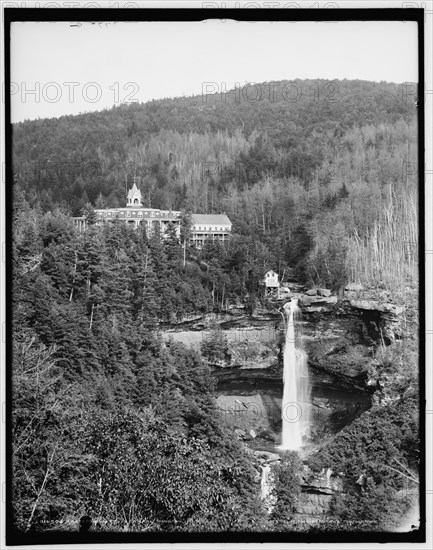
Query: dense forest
[314, 180]
[110, 419]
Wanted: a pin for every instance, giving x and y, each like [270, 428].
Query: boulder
[268, 435]
[354, 287]
[315, 309]
[324, 292]
[252, 434]
[307, 300]
[312, 292]
[267, 456]
[296, 287]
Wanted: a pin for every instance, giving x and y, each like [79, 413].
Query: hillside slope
[295, 165]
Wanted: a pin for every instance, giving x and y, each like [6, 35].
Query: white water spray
[265, 484]
[267, 488]
[296, 395]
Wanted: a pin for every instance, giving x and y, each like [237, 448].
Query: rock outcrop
[266, 456]
[340, 337]
[327, 482]
[386, 316]
[318, 492]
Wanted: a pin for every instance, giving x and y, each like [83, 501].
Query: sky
[59, 69]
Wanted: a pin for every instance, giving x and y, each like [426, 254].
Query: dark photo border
[12, 15]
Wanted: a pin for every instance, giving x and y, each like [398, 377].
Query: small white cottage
[271, 280]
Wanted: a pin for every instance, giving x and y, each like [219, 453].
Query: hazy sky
[59, 69]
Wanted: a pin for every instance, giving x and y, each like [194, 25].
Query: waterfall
[265, 485]
[296, 394]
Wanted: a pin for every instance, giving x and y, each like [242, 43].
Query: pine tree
[172, 246]
[89, 213]
[100, 202]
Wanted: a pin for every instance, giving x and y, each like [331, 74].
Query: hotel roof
[210, 219]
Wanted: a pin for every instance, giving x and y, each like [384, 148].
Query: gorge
[339, 337]
[249, 370]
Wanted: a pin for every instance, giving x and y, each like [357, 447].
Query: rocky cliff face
[340, 336]
[318, 491]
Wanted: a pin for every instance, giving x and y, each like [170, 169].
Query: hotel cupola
[134, 197]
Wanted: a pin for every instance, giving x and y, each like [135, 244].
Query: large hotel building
[204, 226]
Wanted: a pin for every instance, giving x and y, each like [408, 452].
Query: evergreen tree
[90, 215]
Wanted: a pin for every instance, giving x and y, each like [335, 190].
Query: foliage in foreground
[129, 468]
[108, 419]
[287, 490]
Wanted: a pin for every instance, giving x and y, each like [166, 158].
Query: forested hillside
[311, 169]
[110, 419]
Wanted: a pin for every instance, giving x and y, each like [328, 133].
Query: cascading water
[267, 488]
[265, 485]
[296, 395]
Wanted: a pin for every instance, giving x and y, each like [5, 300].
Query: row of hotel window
[205, 228]
[140, 214]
